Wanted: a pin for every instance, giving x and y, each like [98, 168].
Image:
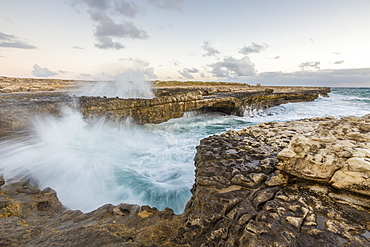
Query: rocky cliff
[299, 183]
[173, 102]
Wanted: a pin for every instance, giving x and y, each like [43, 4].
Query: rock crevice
[299, 183]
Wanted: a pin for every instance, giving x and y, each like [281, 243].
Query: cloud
[253, 48]
[328, 78]
[88, 75]
[125, 8]
[231, 67]
[107, 28]
[63, 72]
[187, 73]
[339, 62]
[149, 73]
[310, 65]
[104, 13]
[77, 47]
[167, 4]
[176, 62]
[107, 43]
[210, 50]
[42, 71]
[11, 41]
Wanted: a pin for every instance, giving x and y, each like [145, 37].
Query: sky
[271, 42]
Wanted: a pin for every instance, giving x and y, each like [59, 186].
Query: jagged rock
[252, 188]
[292, 207]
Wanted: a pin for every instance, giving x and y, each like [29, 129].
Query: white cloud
[107, 28]
[310, 65]
[187, 72]
[107, 42]
[231, 67]
[149, 73]
[77, 47]
[211, 51]
[42, 71]
[253, 48]
[11, 41]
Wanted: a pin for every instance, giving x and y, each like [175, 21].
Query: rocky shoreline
[299, 183]
[172, 100]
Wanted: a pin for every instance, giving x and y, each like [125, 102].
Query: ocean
[90, 164]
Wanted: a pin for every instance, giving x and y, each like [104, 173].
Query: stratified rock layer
[300, 183]
[174, 102]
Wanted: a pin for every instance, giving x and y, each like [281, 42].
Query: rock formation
[299, 183]
[173, 102]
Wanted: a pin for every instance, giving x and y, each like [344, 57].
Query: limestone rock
[299, 183]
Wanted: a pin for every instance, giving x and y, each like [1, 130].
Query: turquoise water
[91, 164]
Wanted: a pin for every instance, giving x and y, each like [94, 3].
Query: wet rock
[173, 103]
[299, 183]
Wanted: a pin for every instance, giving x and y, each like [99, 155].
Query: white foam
[130, 84]
[93, 164]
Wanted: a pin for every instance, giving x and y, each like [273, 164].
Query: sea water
[93, 163]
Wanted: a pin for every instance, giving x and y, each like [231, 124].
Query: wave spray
[130, 84]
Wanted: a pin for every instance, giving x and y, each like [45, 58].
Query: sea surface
[90, 164]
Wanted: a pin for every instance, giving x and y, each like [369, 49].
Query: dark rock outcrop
[251, 189]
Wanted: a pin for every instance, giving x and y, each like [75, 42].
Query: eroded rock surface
[174, 102]
[299, 183]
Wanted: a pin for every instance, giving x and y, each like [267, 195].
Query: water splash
[130, 84]
[91, 164]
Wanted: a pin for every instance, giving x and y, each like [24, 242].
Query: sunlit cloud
[39, 71]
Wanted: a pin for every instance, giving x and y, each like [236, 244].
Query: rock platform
[299, 183]
[173, 102]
